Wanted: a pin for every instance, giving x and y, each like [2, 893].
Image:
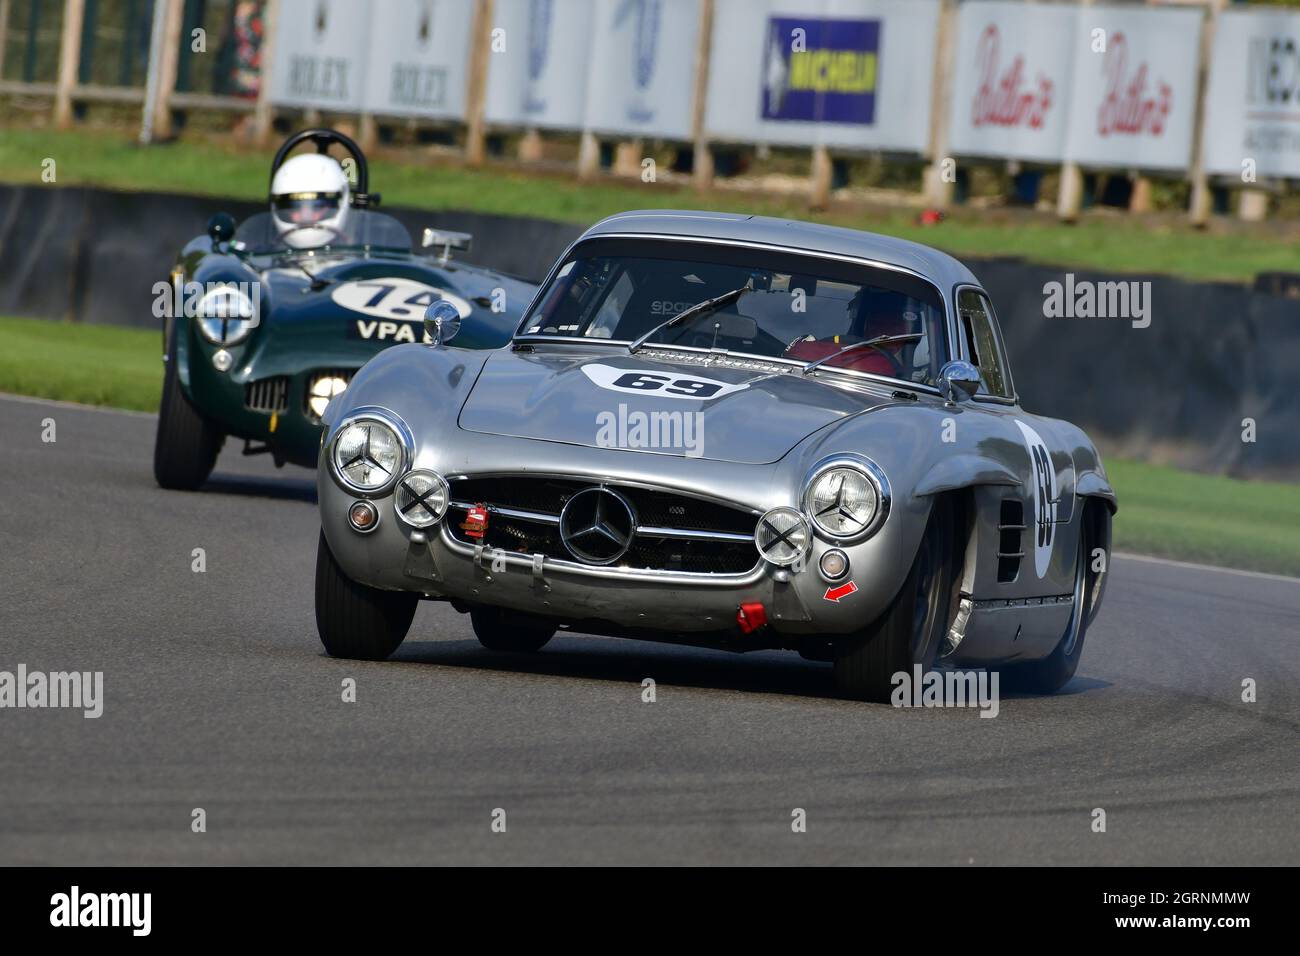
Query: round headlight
[844, 502]
[368, 455]
[225, 315]
[421, 498]
[783, 536]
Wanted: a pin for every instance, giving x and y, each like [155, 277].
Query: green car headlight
[225, 315]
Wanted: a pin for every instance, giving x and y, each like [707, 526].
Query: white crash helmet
[309, 200]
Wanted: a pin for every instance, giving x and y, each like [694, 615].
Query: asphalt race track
[217, 695]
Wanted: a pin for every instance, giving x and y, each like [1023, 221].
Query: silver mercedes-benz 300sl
[724, 431]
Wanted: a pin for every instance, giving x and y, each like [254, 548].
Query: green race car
[263, 325]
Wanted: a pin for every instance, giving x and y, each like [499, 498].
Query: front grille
[675, 532]
[267, 394]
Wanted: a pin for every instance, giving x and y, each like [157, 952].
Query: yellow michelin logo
[833, 71]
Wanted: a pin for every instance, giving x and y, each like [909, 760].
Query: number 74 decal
[392, 298]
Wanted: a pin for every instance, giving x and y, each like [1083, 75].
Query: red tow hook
[751, 616]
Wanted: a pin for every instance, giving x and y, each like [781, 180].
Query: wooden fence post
[480, 50]
[1199, 206]
[69, 55]
[263, 114]
[702, 163]
[164, 54]
[937, 190]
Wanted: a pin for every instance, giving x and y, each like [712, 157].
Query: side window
[982, 343]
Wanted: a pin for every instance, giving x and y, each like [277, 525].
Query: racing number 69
[649, 382]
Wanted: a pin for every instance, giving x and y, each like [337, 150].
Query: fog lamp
[321, 390]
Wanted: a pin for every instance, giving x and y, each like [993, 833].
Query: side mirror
[446, 242]
[959, 381]
[441, 323]
[221, 227]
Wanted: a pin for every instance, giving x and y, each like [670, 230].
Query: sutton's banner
[1252, 108]
[320, 54]
[540, 78]
[1011, 80]
[837, 72]
[1133, 92]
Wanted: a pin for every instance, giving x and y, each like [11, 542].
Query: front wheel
[500, 630]
[186, 444]
[911, 630]
[355, 621]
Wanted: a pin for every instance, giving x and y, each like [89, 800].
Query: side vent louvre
[1011, 531]
[267, 394]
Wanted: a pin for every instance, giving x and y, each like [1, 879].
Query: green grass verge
[209, 167]
[91, 364]
[1206, 518]
[1176, 514]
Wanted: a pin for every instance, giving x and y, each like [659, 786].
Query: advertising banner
[540, 78]
[418, 56]
[1252, 107]
[836, 72]
[320, 54]
[641, 67]
[1133, 94]
[1010, 84]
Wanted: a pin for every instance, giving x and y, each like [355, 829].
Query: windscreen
[799, 307]
[265, 233]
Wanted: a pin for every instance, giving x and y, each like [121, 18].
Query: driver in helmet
[309, 201]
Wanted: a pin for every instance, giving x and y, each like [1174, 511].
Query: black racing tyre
[501, 630]
[355, 621]
[186, 445]
[1053, 672]
[911, 631]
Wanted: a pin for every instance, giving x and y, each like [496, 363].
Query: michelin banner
[854, 75]
[1252, 108]
[641, 67]
[320, 54]
[540, 77]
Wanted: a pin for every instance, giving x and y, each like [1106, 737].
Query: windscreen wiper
[875, 343]
[698, 309]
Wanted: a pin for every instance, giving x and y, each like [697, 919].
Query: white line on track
[1187, 565]
[29, 400]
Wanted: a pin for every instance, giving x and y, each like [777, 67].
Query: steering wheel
[323, 139]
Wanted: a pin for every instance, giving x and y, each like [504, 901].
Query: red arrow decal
[843, 591]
